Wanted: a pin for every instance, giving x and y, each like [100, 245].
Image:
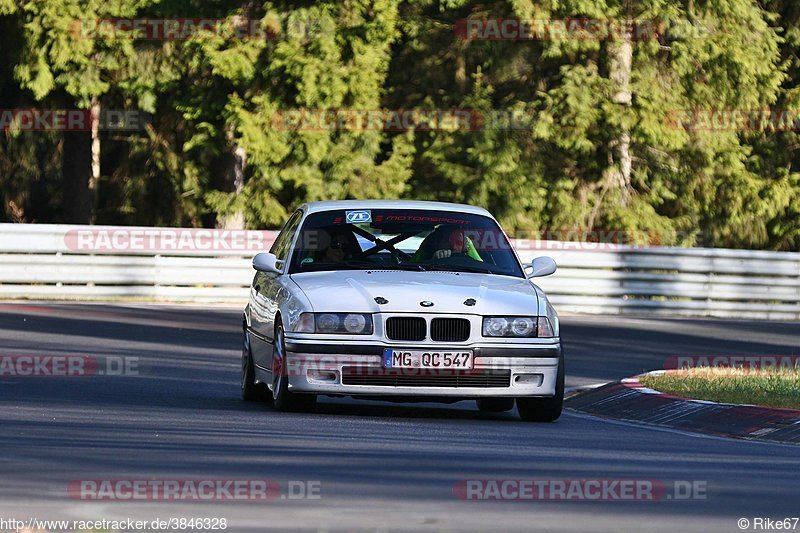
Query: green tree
[602, 151]
[329, 56]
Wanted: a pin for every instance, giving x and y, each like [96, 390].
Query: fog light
[328, 376]
[529, 379]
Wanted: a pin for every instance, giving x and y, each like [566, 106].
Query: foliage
[545, 146]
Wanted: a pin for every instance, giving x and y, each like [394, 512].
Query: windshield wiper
[459, 268]
[388, 266]
[317, 266]
[408, 266]
[359, 264]
[369, 265]
[354, 264]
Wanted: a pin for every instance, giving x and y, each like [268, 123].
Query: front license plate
[459, 360]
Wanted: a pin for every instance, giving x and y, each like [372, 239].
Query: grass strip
[772, 388]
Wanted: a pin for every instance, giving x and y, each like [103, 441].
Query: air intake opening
[450, 329]
[399, 328]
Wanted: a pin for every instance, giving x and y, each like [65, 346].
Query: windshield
[402, 239]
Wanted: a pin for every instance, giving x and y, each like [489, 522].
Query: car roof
[332, 205]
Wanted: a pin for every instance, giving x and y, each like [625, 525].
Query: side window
[284, 241]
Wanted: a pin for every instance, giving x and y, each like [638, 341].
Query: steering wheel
[399, 255]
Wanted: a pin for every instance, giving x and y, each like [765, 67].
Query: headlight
[495, 326]
[328, 322]
[523, 327]
[516, 326]
[355, 323]
[352, 323]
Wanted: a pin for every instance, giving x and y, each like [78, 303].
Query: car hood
[355, 291]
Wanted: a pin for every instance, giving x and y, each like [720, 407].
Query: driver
[332, 247]
[443, 242]
[336, 251]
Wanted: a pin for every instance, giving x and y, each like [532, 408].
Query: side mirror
[542, 266]
[266, 262]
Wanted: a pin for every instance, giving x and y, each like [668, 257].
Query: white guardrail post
[45, 261]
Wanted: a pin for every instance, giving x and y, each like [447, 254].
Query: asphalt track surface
[378, 465]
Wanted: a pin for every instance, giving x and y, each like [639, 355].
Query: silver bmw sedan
[400, 300]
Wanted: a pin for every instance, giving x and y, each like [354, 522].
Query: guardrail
[44, 261]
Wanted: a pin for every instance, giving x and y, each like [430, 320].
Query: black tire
[251, 391]
[532, 409]
[495, 405]
[284, 400]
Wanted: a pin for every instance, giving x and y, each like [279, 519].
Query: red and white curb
[631, 401]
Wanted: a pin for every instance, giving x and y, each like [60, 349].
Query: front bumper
[322, 367]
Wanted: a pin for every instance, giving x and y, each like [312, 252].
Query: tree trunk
[461, 69]
[235, 220]
[621, 58]
[617, 176]
[95, 177]
[80, 170]
[76, 170]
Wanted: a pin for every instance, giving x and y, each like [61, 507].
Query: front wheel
[285, 400]
[544, 409]
[251, 391]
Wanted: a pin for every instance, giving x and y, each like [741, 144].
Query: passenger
[444, 242]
